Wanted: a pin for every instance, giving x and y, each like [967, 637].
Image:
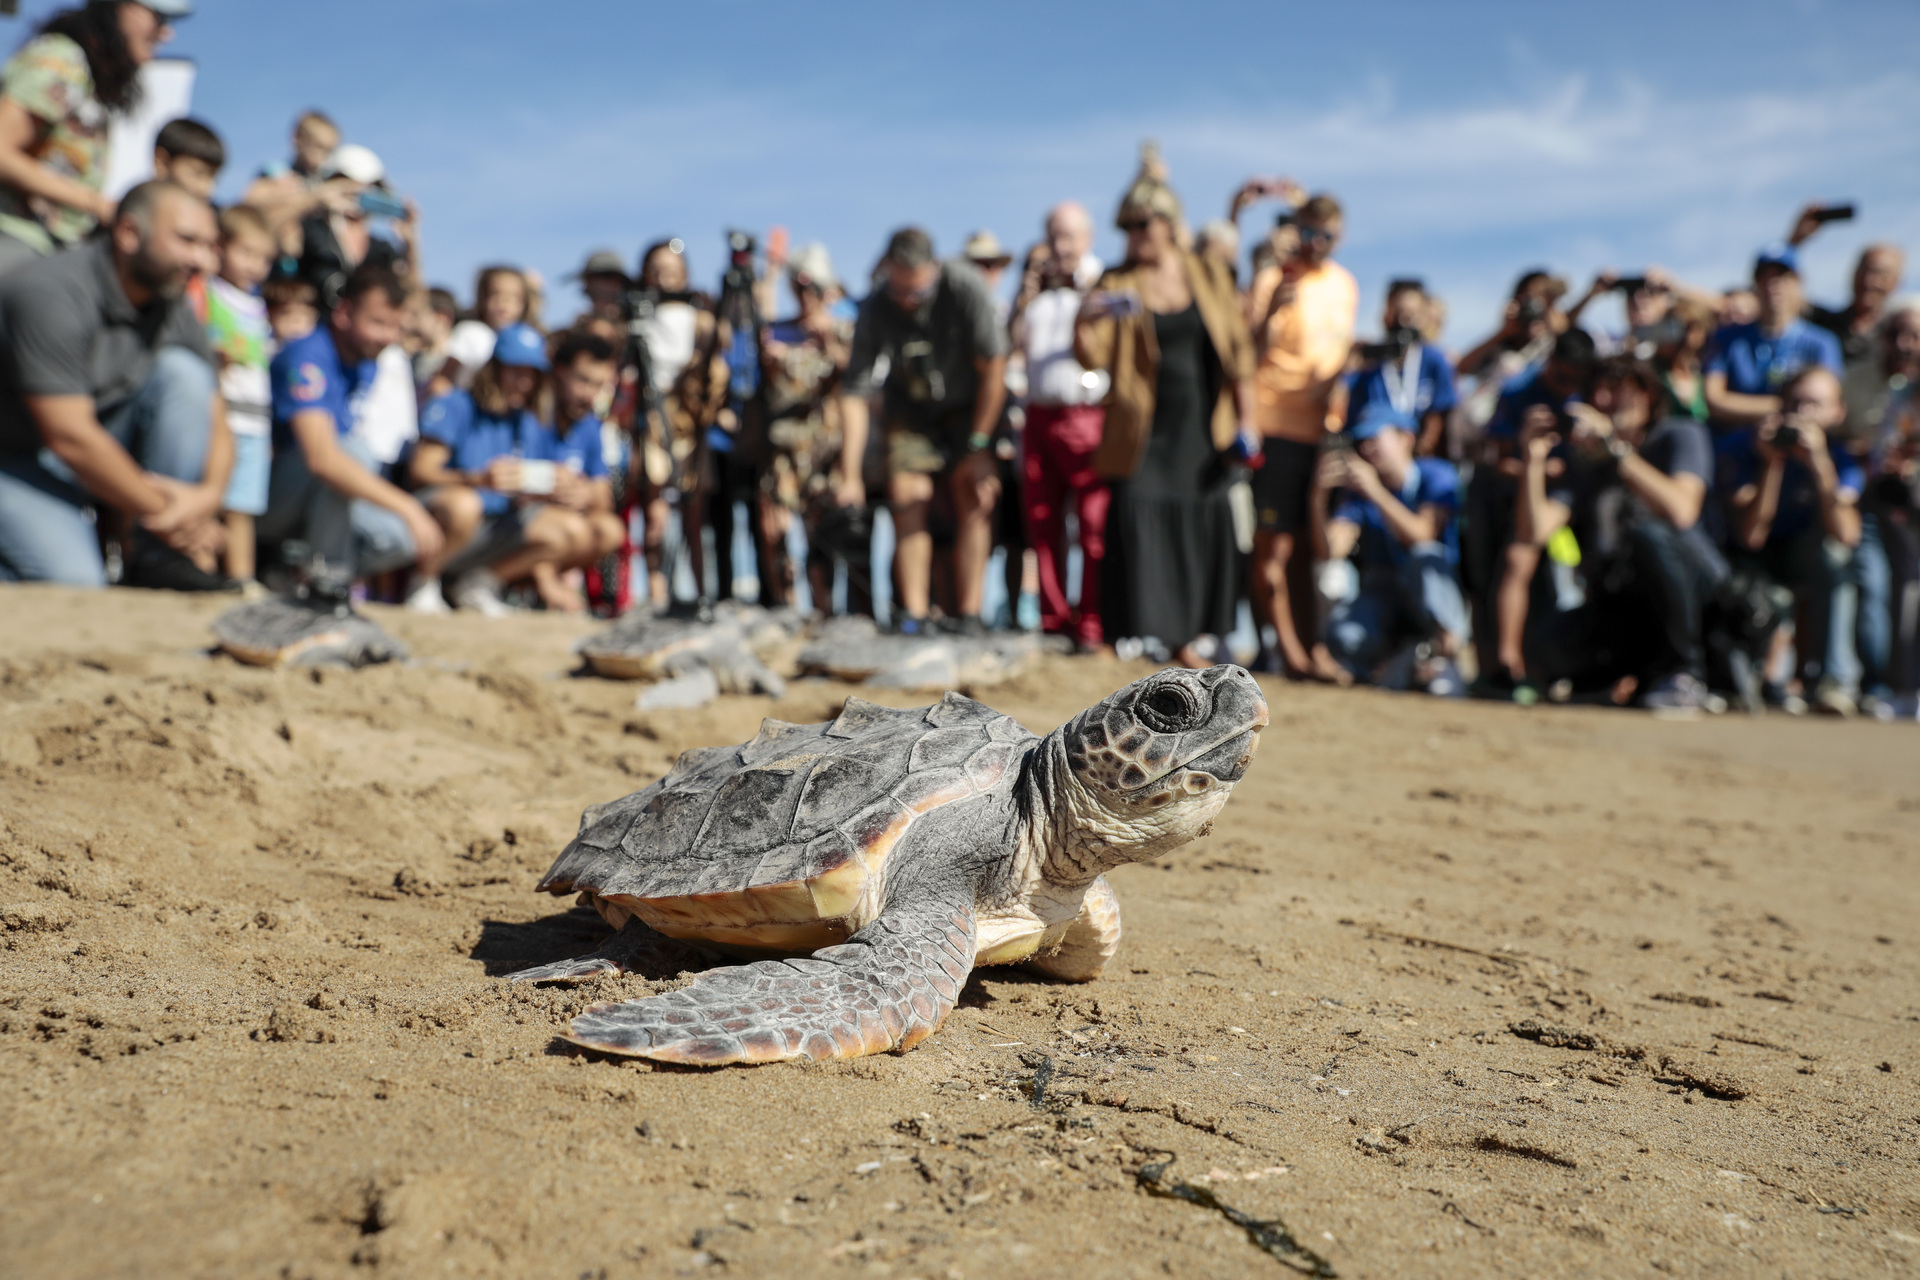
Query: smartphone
[1835, 213]
[537, 478]
[1121, 304]
[377, 202]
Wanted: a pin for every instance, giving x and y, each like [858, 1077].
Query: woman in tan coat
[1166, 325]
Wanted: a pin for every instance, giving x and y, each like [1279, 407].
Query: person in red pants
[1063, 424]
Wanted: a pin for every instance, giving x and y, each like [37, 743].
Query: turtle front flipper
[889, 986]
[1090, 941]
[618, 954]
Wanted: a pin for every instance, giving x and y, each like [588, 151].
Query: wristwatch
[1619, 448]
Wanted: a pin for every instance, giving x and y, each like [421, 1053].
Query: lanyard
[1403, 384]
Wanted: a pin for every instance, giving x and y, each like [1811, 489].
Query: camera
[1532, 311]
[1400, 339]
[1786, 436]
[925, 382]
[1630, 285]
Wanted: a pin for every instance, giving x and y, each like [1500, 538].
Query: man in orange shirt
[1302, 313]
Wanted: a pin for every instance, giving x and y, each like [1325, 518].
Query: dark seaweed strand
[1274, 1238]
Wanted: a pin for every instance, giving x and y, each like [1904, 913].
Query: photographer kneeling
[1630, 491]
[484, 471]
[1393, 523]
[1795, 515]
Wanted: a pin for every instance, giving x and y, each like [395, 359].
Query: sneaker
[427, 597]
[1829, 699]
[968, 627]
[1680, 696]
[161, 568]
[1780, 698]
[479, 590]
[907, 624]
[1877, 706]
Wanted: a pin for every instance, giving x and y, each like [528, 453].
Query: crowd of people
[1715, 502]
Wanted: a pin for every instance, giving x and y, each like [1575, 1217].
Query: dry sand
[1453, 990]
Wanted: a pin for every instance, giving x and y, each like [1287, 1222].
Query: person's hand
[571, 490]
[103, 207]
[1247, 443]
[1812, 443]
[188, 506]
[1538, 436]
[428, 541]
[340, 195]
[1511, 325]
[849, 491]
[1603, 279]
[1362, 476]
[1659, 278]
[1332, 471]
[502, 475]
[1805, 225]
[1591, 428]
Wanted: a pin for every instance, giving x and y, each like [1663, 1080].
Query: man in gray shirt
[946, 353]
[108, 398]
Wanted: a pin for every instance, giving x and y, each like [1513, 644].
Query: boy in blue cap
[1393, 524]
[485, 470]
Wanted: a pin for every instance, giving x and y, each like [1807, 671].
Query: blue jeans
[46, 530]
[353, 537]
[1860, 636]
[1397, 604]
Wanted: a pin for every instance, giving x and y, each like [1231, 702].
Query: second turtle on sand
[307, 631]
[690, 659]
[855, 650]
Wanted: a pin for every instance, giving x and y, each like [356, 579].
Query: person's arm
[107, 471]
[1675, 499]
[1839, 512]
[1755, 503]
[1342, 537]
[1602, 282]
[1407, 527]
[1536, 516]
[1736, 406]
[19, 132]
[849, 482]
[991, 398]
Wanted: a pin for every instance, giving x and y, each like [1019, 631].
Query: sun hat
[356, 163]
[813, 262]
[170, 9]
[601, 262]
[983, 249]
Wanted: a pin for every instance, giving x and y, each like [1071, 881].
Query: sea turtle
[693, 658]
[309, 631]
[900, 848]
[855, 650]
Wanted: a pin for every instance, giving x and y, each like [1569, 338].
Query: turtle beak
[1237, 701]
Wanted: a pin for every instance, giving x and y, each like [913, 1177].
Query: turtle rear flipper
[890, 986]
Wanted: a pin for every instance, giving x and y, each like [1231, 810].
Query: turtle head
[1152, 765]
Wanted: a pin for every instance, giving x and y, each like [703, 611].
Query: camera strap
[1403, 383]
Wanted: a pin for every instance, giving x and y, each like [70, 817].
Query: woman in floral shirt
[56, 94]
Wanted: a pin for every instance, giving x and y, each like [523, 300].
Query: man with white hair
[1064, 422]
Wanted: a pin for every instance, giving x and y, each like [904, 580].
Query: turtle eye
[1169, 709]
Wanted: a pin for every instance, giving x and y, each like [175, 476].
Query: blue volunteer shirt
[1429, 390]
[308, 375]
[475, 438]
[1520, 395]
[1431, 483]
[1799, 508]
[578, 448]
[1757, 363]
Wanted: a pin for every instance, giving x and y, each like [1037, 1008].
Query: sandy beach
[1452, 990]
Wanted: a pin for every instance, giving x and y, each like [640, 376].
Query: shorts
[498, 537]
[252, 468]
[929, 448]
[1283, 485]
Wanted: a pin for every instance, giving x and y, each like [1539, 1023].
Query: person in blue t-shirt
[1795, 515]
[1406, 371]
[584, 369]
[326, 489]
[483, 469]
[1746, 365]
[1393, 522]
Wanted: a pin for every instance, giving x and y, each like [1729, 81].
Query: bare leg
[239, 545]
[653, 541]
[1272, 602]
[458, 511]
[1516, 584]
[908, 493]
[976, 488]
[552, 538]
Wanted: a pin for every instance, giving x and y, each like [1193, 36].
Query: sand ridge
[1453, 990]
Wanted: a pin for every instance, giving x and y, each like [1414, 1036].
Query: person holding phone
[486, 472]
[1165, 327]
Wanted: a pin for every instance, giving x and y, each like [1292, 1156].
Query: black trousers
[1645, 613]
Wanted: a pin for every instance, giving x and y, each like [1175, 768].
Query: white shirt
[669, 332]
[389, 413]
[1053, 375]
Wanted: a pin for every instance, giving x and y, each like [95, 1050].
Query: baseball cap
[522, 347]
[356, 163]
[1777, 254]
[1377, 417]
[602, 262]
[170, 9]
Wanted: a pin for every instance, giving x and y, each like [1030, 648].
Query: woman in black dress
[1166, 325]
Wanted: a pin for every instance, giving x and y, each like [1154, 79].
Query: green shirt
[50, 80]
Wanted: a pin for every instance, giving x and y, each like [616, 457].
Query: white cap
[471, 343]
[352, 161]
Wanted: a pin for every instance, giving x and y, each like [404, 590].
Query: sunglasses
[1135, 225]
[1315, 233]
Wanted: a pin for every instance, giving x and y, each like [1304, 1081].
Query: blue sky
[1468, 141]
